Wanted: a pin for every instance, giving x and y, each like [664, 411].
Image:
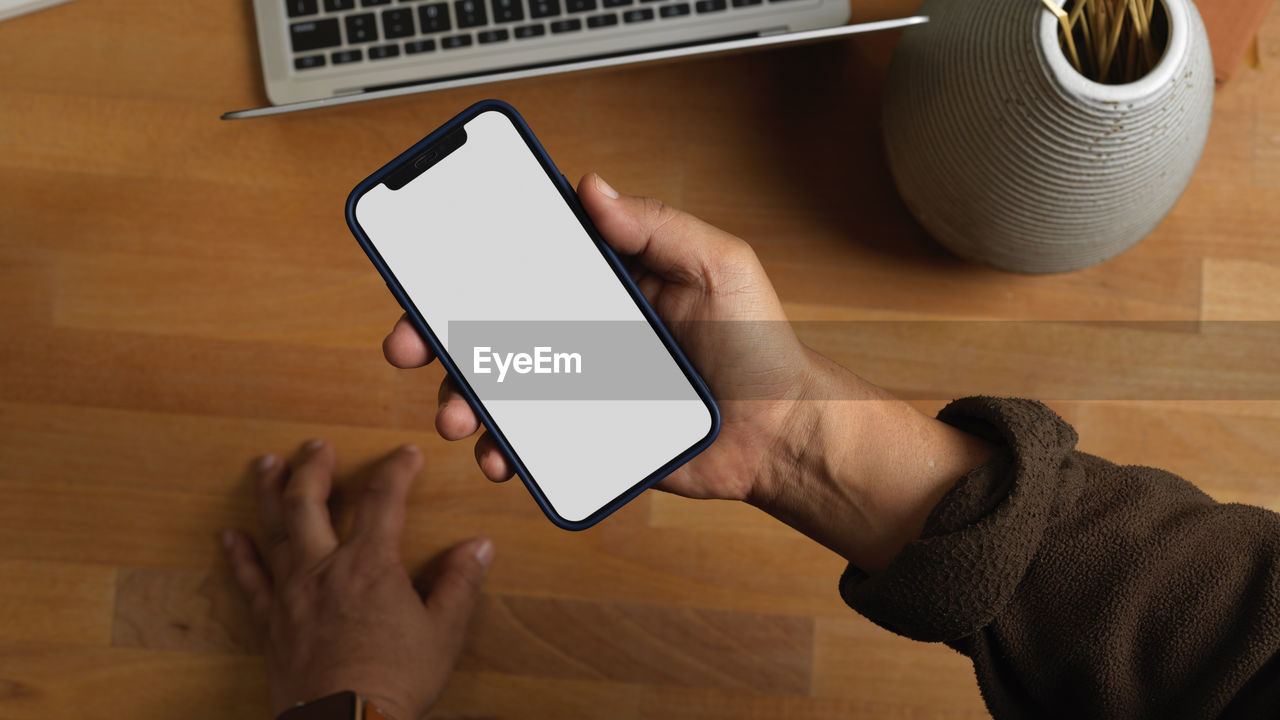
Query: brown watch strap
[338, 706]
[371, 712]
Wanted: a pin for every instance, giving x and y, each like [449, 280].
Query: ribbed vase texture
[1009, 157]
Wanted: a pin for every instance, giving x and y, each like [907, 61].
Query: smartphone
[486, 247]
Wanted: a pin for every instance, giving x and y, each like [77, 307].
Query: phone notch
[420, 163]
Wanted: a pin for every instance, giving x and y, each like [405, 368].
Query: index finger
[405, 348]
[379, 520]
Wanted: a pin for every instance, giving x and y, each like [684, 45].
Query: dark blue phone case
[571, 198]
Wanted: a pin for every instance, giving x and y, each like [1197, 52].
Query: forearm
[860, 470]
[1084, 589]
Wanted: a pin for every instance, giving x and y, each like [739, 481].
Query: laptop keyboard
[337, 32]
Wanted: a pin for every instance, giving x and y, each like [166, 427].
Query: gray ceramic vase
[1009, 157]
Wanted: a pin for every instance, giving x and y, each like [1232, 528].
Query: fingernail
[605, 188]
[265, 463]
[228, 539]
[411, 448]
[314, 445]
[484, 553]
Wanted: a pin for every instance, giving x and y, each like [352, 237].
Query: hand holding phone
[711, 291]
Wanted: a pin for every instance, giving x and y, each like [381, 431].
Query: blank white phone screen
[484, 236]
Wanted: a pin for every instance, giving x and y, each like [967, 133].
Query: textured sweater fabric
[1084, 589]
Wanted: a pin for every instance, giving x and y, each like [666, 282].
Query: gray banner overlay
[1212, 360]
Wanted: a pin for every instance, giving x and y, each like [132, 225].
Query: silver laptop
[326, 52]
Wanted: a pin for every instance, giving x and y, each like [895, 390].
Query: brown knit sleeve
[1080, 588]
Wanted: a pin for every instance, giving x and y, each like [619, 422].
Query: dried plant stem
[1117, 25]
[1108, 40]
[1066, 32]
[1130, 65]
[1086, 36]
[1142, 29]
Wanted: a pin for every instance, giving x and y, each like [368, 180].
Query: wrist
[812, 481]
[809, 449]
[858, 470]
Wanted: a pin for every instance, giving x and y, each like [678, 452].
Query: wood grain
[201, 612]
[654, 644]
[82, 683]
[46, 603]
[178, 609]
[489, 696]
[180, 294]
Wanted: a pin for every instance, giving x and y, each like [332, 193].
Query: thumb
[674, 244]
[453, 580]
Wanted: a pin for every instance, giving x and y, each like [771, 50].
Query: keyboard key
[580, 5]
[638, 15]
[419, 46]
[362, 28]
[308, 61]
[599, 21]
[745, 3]
[493, 36]
[706, 6]
[470, 13]
[298, 8]
[677, 10]
[347, 56]
[434, 17]
[379, 52]
[560, 26]
[543, 8]
[617, 3]
[507, 10]
[371, 3]
[314, 35]
[649, 1]
[528, 31]
[455, 41]
[338, 5]
[397, 23]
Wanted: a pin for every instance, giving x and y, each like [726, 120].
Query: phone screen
[588, 399]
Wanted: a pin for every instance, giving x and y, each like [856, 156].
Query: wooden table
[179, 293]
